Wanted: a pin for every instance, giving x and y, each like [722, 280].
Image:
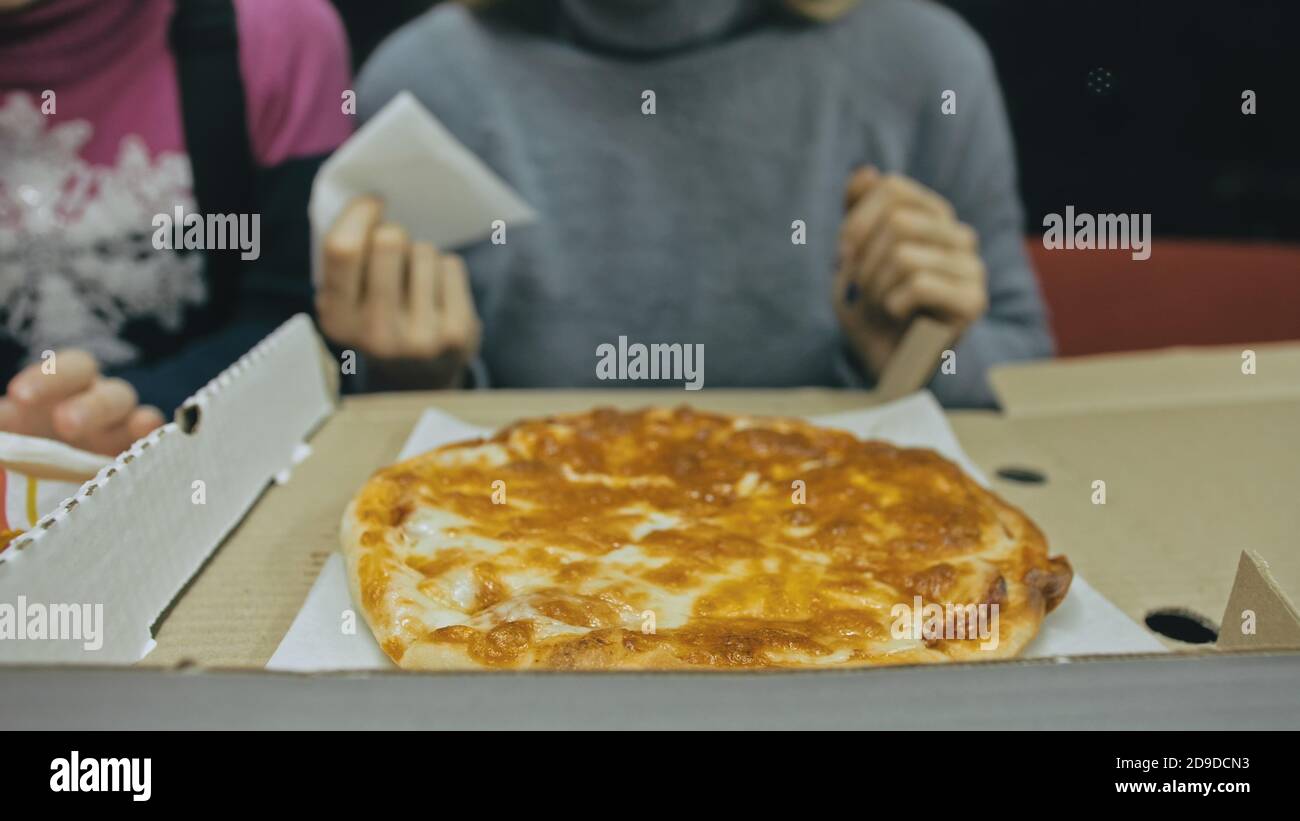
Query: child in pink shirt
[117, 117]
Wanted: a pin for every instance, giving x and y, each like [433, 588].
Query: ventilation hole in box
[1025, 476]
[187, 418]
[1182, 625]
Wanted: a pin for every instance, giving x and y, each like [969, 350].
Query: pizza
[679, 539]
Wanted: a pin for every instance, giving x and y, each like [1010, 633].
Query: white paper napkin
[1084, 624]
[431, 184]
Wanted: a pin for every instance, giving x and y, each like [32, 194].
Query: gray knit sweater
[676, 226]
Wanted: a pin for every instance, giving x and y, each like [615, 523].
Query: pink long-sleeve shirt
[92, 147]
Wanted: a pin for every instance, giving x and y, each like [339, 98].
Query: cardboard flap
[1258, 616]
[112, 558]
[1169, 378]
[914, 360]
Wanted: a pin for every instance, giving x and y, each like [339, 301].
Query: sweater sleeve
[293, 61]
[969, 158]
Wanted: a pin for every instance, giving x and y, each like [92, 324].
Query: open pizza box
[205, 539]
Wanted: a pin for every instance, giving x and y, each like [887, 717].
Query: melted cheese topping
[675, 538]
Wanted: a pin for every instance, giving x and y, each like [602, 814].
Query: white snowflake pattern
[76, 256]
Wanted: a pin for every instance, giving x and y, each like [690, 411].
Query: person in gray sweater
[780, 185]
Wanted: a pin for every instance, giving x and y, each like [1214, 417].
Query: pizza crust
[676, 539]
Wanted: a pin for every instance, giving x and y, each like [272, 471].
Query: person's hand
[403, 304]
[75, 404]
[902, 252]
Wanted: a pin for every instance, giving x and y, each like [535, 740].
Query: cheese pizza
[678, 539]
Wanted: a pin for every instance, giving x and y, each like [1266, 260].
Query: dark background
[1167, 136]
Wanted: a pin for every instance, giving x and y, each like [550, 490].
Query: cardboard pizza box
[232, 509]
[1194, 451]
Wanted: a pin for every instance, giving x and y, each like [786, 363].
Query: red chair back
[1190, 292]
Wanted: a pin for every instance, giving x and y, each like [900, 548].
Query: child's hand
[73, 403]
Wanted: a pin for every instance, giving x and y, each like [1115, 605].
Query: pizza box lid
[118, 553]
